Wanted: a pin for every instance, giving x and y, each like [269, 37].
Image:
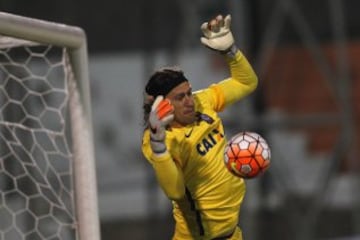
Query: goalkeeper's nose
[188, 100]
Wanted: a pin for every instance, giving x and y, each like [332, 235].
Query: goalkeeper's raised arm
[218, 37]
[184, 140]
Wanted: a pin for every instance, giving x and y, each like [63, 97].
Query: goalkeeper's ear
[148, 99]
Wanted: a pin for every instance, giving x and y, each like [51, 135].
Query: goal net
[47, 168]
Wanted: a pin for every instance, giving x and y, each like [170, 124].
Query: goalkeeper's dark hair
[161, 82]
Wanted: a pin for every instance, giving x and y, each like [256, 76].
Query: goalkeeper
[184, 141]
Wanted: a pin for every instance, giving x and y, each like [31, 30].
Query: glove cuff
[157, 146]
[231, 52]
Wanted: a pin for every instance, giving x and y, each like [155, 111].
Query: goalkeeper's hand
[160, 116]
[217, 34]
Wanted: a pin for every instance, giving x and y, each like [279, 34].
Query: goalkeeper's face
[184, 108]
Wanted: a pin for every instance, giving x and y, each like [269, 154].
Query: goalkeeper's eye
[181, 96]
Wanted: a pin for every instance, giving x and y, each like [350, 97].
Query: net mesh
[36, 170]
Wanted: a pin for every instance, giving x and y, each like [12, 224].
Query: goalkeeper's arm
[218, 37]
[168, 174]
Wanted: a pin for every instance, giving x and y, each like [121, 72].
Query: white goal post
[44, 121]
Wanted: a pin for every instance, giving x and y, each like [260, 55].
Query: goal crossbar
[41, 31]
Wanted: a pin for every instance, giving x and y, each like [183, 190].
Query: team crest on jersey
[205, 117]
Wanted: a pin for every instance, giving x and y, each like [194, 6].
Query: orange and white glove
[217, 34]
[160, 116]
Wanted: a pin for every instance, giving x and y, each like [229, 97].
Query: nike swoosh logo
[187, 135]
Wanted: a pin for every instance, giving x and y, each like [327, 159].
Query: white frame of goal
[74, 39]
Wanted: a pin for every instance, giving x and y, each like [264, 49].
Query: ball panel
[246, 168]
[249, 138]
[245, 158]
[256, 162]
[233, 151]
[244, 144]
[265, 154]
[265, 165]
[252, 147]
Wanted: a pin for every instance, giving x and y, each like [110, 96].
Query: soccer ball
[247, 155]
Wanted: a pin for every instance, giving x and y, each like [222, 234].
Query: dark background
[140, 24]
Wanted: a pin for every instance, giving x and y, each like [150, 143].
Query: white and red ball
[247, 155]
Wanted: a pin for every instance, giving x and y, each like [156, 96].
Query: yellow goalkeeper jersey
[195, 162]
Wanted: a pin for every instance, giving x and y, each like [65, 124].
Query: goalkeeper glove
[160, 116]
[217, 34]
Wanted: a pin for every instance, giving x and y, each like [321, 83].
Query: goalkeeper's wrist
[231, 52]
[157, 146]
